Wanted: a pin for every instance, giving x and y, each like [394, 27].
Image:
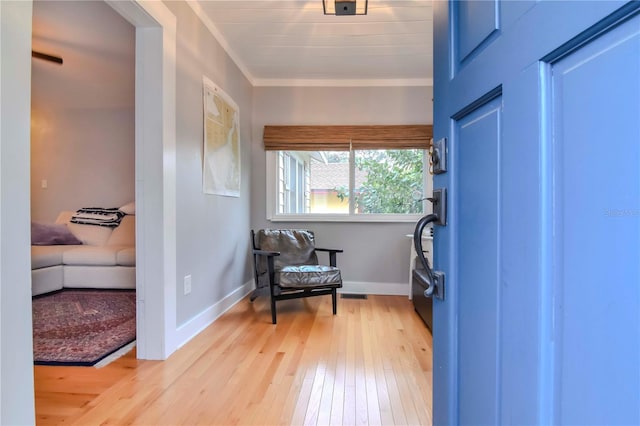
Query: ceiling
[292, 43]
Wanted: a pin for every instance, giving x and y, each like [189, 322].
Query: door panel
[478, 137]
[477, 22]
[541, 320]
[596, 123]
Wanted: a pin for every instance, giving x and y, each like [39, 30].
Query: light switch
[44, 184]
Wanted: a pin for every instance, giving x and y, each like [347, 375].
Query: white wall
[373, 252]
[16, 360]
[212, 231]
[83, 124]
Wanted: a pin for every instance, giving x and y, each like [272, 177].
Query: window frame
[272, 198]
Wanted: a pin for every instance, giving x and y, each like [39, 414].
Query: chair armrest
[266, 253]
[330, 250]
[332, 255]
[270, 255]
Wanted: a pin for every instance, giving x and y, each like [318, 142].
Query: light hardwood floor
[370, 364]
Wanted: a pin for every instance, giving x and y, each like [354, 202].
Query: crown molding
[197, 9]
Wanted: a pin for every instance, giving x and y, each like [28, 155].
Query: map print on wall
[221, 165]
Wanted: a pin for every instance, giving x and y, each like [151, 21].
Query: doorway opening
[82, 157]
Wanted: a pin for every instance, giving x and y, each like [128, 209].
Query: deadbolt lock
[439, 156]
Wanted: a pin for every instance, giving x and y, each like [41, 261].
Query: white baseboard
[117, 354]
[195, 325]
[383, 289]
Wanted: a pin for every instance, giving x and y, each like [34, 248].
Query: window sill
[384, 218]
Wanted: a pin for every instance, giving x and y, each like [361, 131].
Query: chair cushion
[309, 276]
[296, 247]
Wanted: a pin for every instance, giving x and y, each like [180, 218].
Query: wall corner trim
[197, 9]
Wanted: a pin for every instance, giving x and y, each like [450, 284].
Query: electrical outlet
[187, 284]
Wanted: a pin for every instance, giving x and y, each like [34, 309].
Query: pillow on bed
[129, 208]
[49, 234]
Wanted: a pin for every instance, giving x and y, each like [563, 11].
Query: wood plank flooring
[369, 364]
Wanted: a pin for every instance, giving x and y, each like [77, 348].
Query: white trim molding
[380, 289]
[195, 325]
[155, 174]
[345, 218]
[272, 197]
[16, 338]
[215, 32]
[291, 82]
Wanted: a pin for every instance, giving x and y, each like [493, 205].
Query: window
[356, 181]
[293, 182]
[313, 182]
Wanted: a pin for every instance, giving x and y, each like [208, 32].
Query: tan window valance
[340, 138]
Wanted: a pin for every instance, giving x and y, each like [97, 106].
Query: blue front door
[540, 106]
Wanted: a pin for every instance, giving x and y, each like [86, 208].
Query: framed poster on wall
[221, 158]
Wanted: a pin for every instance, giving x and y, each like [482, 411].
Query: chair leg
[254, 295]
[334, 301]
[258, 291]
[273, 310]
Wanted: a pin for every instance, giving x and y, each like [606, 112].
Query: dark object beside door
[422, 277]
[423, 305]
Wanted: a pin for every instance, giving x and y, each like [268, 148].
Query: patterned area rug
[81, 327]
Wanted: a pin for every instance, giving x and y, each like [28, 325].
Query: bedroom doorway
[154, 28]
[82, 155]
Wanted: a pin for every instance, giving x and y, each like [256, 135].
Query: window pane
[386, 181]
[329, 182]
[314, 182]
[292, 184]
[301, 185]
[281, 181]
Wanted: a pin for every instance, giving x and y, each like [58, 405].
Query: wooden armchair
[285, 263]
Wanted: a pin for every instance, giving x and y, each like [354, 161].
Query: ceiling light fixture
[345, 7]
